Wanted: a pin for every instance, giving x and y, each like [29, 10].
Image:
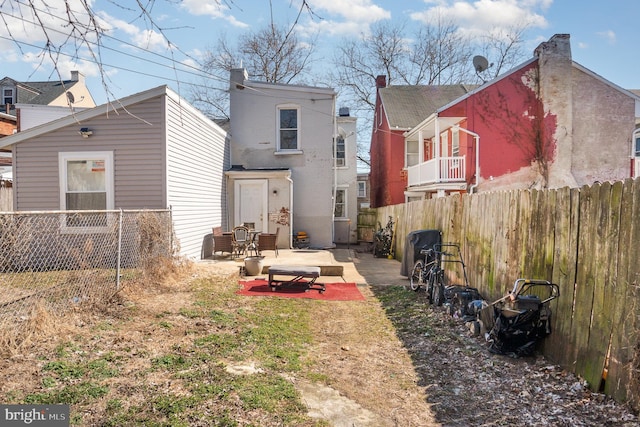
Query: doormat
[333, 292]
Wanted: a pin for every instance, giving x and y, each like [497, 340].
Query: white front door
[251, 203]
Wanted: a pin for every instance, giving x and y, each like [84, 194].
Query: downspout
[335, 171]
[288, 178]
[476, 137]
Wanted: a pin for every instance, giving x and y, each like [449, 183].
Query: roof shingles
[407, 106]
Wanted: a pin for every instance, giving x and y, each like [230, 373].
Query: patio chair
[267, 241]
[240, 239]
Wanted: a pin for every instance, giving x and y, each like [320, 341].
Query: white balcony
[439, 170]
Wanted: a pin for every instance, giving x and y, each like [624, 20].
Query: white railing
[451, 169]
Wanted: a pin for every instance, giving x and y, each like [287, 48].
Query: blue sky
[604, 36]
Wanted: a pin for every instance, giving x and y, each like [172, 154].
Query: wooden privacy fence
[586, 240]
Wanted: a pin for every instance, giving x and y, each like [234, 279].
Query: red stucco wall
[510, 119]
[387, 178]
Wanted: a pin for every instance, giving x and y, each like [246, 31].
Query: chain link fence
[59, 260]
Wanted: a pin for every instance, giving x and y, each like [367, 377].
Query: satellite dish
[480, 63]
[71, 98]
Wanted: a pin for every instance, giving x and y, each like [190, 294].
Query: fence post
[119, 255]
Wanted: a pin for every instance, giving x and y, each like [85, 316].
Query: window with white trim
[637, 147]
[412, 153]
[455, 142]
[362, 189]
[341, 203]
[86, 183]
[340, 151]
[288, 127]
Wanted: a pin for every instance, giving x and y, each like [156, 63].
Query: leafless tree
[504, 48]
[271, 54]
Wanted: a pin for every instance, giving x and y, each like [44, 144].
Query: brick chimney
[381, 81]
[555, 71]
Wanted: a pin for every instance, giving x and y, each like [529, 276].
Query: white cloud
[482, 16]
[582, 45]
[343, 17]
[216, 9]
[609, 35]
[143, 38]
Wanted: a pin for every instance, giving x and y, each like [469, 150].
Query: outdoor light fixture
[85, 132]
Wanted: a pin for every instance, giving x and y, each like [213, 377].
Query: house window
[362, 189]
[444, 144]
[340, 151]
[412, 153]
[86, 183]
[288, 128]
[341, 203]
[7, 96]
[637, 147]
[455, 143]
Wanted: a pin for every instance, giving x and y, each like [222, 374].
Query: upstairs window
[455, 143]
[444, 144]
[288, 128]
[340, 151]
[637, 147]
[7, 96]
[412, 153]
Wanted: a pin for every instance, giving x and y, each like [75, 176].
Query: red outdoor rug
[333, 291]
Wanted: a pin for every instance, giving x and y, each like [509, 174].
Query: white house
[283, 158]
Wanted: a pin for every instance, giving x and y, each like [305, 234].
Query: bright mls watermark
[34, 415]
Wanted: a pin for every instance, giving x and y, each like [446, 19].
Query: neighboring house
[397, 110]
[284, 173]
[151, 150]
[62, 93]
[548, 123]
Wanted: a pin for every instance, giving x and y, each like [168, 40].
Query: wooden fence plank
[558, 346]
[585, 281]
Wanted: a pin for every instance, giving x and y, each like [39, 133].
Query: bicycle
[429, 273]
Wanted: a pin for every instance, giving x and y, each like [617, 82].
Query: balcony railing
[451, 169]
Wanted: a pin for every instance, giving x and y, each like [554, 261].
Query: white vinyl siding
[195, 171]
